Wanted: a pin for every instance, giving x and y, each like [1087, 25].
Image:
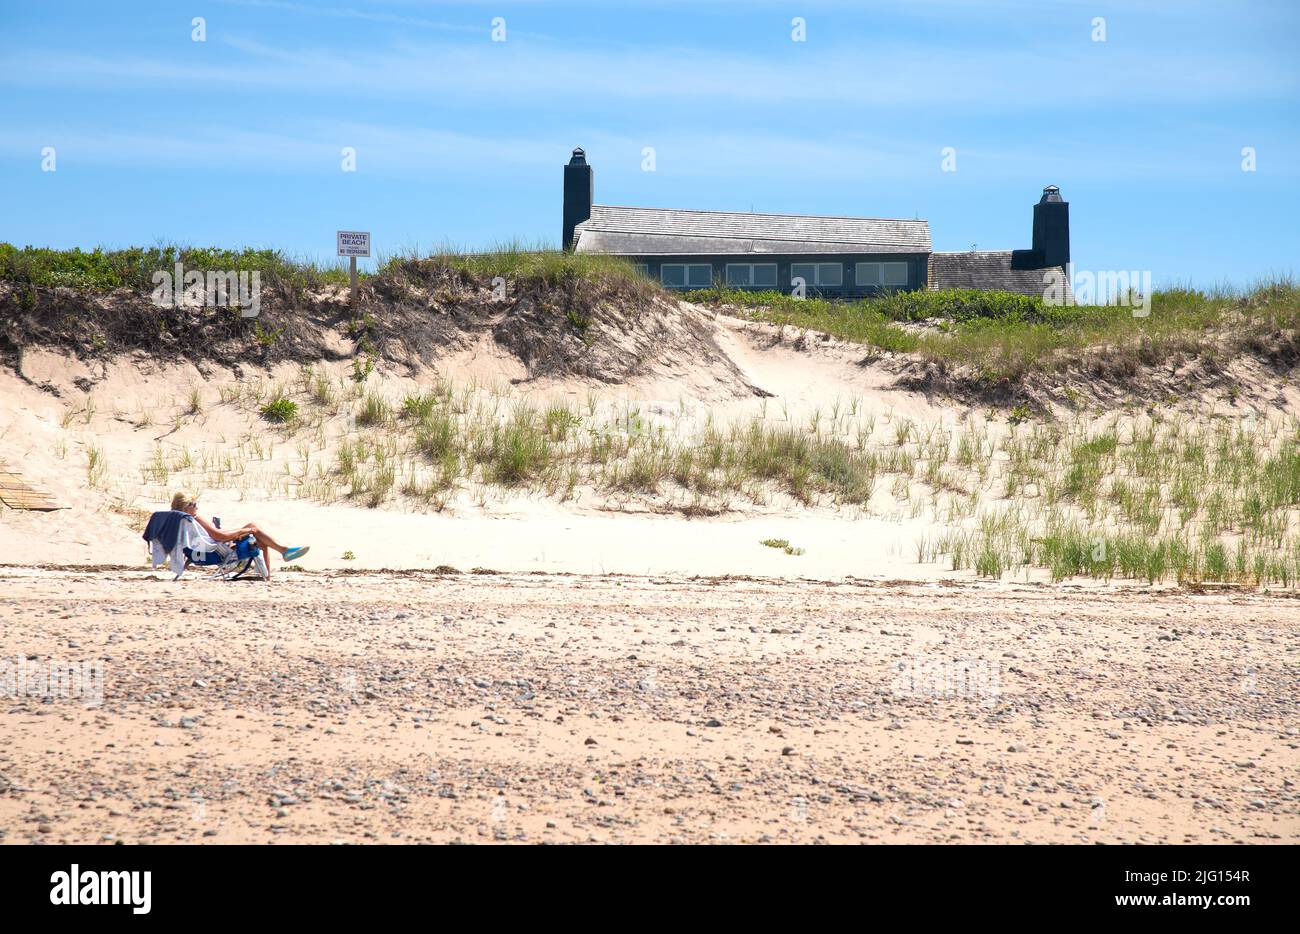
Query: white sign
[354, 243]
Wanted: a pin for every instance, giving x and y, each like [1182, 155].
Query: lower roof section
[1003, 270]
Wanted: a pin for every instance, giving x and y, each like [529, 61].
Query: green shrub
[133, 267]
[419, 406]
[280, 410]
[958, 305]
[1004, 336]
[580, 322]
[920, 305]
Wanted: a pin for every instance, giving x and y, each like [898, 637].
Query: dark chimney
[579, 189]
[1052, 228]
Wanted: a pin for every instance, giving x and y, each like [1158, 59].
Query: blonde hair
[183, 501]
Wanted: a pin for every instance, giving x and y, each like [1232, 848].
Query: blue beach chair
[228, 560]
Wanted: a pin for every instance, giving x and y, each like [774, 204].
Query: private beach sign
[354, 242]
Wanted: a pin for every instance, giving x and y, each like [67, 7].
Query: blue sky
[460, 140]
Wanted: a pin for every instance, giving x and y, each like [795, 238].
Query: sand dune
[136, 407]
[636, 668]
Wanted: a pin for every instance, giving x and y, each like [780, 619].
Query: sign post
[353, 243]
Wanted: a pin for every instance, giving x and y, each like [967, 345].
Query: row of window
[763, 275]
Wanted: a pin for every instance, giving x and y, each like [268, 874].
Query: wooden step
[17, 493]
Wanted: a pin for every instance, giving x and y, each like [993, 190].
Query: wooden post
[352, 274]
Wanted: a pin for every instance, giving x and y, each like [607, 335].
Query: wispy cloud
[519, 73]
[320, 11]
[314, 147]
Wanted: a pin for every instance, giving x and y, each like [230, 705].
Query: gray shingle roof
[986, 270]
[667, 232]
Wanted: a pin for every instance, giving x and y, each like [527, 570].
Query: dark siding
[916, 265]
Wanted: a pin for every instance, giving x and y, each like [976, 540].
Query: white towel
[189, 535]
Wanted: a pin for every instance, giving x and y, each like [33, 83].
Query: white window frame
[751, 267]
[879, 278]
[641, 269]
[686, 274]
[817, 274]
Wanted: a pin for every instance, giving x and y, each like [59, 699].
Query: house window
[831, 274]
[881, 275]
[641, 269]
[755, 274]
[686, 275]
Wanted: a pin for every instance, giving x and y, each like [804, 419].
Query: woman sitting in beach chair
[183, 502]
[228, 561]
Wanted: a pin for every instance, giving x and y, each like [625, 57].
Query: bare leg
[263, 540]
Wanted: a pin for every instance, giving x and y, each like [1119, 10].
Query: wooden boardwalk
[16, 493]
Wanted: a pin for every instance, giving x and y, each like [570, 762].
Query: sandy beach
[338, 707]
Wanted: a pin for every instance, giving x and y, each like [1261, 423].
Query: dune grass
[1153, 499]
[1001, 335]
[1190, 497]
[133, 267]
[103, 269]
[997, 335]
[519, 262]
